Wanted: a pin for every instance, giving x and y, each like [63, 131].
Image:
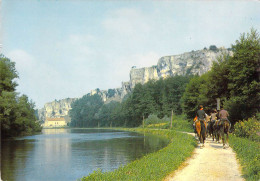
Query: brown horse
[224, 127]
[200, 127]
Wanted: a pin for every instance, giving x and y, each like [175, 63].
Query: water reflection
[69, 154]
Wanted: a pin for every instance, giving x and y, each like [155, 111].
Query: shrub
[213, 47]
[248, 129]
[154, 122]
[179, 123]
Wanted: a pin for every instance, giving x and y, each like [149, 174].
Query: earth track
[209, 163]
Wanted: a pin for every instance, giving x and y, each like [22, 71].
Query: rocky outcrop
[108, 95]
[190, 63]
[56, 109]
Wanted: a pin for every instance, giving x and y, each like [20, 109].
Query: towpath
[211, 163]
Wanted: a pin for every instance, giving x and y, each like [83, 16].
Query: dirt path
[211, 163]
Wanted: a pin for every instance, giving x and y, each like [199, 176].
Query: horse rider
[201, 114]
[213, 116]
[223, 115]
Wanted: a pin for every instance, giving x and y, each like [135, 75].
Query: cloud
[127, 22]
[36, 79]
[77, 44]
[23, 60]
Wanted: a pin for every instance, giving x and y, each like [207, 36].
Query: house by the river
[54, 122]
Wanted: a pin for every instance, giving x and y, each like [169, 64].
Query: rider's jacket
[223, 114]
[201, 114]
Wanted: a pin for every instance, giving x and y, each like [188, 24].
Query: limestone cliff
[190, 63]
[56, 109]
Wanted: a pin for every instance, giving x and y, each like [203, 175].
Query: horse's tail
[203, 129]
[226, 126]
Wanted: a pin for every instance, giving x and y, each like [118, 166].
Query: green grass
[248, 153]
[154, 166]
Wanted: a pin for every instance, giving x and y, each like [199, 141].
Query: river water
[69, 154]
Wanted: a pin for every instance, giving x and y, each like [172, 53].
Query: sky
[66, 48]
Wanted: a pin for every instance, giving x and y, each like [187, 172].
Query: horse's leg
[219, 135]
[203, 132]
[198, 129]
[201, 140]
[222, 131]
[228, 127]
[212, 132]
[227, 139]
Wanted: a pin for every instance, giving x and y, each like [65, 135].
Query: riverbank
[154, 166]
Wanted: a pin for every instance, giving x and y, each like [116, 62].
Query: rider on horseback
[201, 114]
[223, 115]
[213, 115]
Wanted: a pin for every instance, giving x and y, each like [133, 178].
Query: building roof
[55, 119]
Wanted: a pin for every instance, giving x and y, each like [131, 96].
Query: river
[69, 154]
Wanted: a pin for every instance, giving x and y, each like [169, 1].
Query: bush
[213, 47]
[248, 153]
[179, 123]
[154, 122]
[248, 129]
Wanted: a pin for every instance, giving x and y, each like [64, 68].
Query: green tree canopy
[17, 114]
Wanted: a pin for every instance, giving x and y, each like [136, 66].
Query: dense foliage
[155, 97]
[17, 115]
[248, 129]
[84, 111]
[179, 122]
[154, 166]
[233, 79]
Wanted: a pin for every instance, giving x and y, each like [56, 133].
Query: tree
[234, 79]
[84, 112]
[213, 47]
[17, 114]
[7, 75]
[243, 80]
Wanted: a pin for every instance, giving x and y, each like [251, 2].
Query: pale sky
[65, 48]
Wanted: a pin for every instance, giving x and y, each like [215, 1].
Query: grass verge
[154, 166]
[248, 153]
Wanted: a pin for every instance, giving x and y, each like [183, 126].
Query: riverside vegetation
[17, 114]
[154, 166]
[233, 79]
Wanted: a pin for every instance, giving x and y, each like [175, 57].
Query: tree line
[17, 114]
[155, 97]
[233, 79]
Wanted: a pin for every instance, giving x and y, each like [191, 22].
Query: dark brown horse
[224, 127]
[201, 131]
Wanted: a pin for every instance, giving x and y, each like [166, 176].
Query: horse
[207, 122]
[201, 131]
[224, 127]
[210, 129]
[216, 130]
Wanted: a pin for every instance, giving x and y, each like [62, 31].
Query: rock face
[190, 63]
[56, 109]
[108, 95]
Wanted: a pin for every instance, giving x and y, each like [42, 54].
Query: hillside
[189, 63]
